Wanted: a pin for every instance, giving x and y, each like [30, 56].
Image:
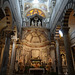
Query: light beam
[60, 32]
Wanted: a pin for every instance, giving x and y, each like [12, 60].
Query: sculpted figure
[35, 23]
[39, 23]
[32, 23]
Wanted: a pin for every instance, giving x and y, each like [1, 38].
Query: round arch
[68, 20]
[66, 13]
[36, 11]
[66, 17]
[8, 14]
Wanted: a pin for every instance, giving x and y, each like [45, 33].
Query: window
[35, 11]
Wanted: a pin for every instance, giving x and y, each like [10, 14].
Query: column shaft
[12, 59]
[5, 57]
[68, 55]
[59, 61]
[70, 67]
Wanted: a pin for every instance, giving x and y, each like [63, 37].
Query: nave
[37, 37]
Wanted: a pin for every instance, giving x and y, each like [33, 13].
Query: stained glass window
[35, 11]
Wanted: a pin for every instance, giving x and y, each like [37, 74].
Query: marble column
[59, 61]
[68, 51]
[12, 59]
[52, 52]
[5, 55]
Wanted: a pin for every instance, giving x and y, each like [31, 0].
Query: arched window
[35, 11]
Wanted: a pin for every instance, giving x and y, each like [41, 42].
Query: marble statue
[32, 23]
[39, 23]
[35, 22]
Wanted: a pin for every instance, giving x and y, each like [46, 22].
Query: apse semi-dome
[35, 37]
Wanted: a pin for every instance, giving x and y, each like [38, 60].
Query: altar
[36, 68]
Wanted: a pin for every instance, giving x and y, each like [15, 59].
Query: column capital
[8, 33]
[65, 29]
[14, 40]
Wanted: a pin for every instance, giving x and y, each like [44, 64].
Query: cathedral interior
[37, 37]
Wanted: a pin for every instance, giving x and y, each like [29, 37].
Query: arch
[6, 4]
[35, 11]
[6, 21]
[66, 13]
[8, 13]
[2, 15]
[66, 17]
[68, 20]
[35, 8]
[57, 35]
